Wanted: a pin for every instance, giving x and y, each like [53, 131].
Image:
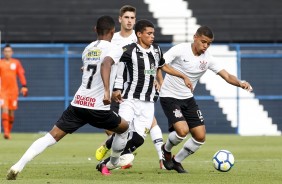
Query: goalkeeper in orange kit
[10, 68]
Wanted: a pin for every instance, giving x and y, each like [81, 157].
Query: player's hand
[81, 69]
[188, 83]
[157, 86]
[246, 86]
[24, 91]
[107, 98]
[116, 96]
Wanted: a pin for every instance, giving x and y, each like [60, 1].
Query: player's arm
[21, 75]
[168, 69]
[106, 74]
[231, 79]
[119, 83]
[159, 77]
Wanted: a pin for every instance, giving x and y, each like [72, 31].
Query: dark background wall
[63, 21]
[70, 21]
[240, 21]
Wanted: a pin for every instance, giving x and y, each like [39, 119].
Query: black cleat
[101, 167]
[178, 167]
[168, 164]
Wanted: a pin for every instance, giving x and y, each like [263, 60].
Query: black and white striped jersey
[142, 65]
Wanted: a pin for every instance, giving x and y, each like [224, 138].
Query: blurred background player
[10, 69]
[126, 35]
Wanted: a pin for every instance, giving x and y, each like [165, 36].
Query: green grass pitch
[258, 159]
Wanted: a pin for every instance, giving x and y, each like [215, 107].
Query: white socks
[190, 147]
[118, 145]
[157, 138]
[35, 149]
[173, 140]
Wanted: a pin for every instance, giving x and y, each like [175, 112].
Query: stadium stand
[64, 21]
[240, 21]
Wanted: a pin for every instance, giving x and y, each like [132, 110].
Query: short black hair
[104, 25]
[141, 25]
[7, 45]
[206, 31]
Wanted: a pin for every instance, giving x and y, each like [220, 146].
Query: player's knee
[182, 133]
[200, 138]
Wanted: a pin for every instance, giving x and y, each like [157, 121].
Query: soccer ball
[223, 160]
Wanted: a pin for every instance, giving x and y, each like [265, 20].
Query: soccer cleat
[7, 136]
[12, 174]
[101, 152]
[128, 166]
[103, 169]
[168, 164]
[178, 167]
[162, 165]
[125, 162]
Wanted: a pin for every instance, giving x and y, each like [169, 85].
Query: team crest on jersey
[177, 113]
[203, 65]
[13, 66]
[157, 57]
[94, 54]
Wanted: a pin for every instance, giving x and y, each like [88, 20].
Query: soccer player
[177, 101]
[143, 60]
[10, 69]
[91, 103]
[126, 35]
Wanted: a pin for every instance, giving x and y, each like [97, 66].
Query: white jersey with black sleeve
[121, 42]
[91, 91]
[181, 58]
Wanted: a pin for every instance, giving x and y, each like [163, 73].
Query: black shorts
[74, 117]
[115, 106]
[182, 110]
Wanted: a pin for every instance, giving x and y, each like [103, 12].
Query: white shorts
[139, 113]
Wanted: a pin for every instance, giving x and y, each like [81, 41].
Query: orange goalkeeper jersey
[9, 70]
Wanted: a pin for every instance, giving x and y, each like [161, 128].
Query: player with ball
[177, 100]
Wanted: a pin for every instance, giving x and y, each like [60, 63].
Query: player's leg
[5, 116]
[118, 144]
[195, 121]
[5, 122]
[11, 120]
[192, 144]
[106, 146]
[67, 123]
[157, 139]
[35, 149]
[138, 129]
[12, 105]
[177, 126]
[127, 155]
[119, 141]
